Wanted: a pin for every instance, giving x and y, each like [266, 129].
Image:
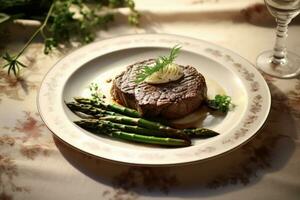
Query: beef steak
[169, 100]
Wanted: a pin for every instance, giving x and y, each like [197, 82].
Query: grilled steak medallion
[169, 100]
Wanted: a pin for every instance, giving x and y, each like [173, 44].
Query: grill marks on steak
[170, 100]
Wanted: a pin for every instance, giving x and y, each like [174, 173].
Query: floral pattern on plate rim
[256, 102]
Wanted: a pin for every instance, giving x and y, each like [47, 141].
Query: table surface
[35, 165]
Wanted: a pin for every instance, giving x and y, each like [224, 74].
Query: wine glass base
[290, 69]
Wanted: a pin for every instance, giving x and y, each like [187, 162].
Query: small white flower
[76, 10]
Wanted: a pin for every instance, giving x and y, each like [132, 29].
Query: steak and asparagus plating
[141, 96]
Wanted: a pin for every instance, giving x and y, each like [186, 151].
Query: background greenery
[62, 21]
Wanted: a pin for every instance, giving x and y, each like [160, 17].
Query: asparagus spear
[170, 132]
[113, 117]
[93, 123]
[88, 109]
[112, 107]
[153, 126]
[97, 101]
[200, 132]
[193, 133]
[101, 129]
[151, 139]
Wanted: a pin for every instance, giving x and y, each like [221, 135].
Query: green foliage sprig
[12, 62]
[96, 94]
[221, 102]
[160, 63]
[68, 20]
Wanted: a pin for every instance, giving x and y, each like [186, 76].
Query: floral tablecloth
[36, 165]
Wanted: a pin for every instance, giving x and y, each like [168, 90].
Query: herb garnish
[160, 63]
[95, 92]
[64, 22]
[220, 102]
[12, 62]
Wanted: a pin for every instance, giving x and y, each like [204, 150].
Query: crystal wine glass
[280, 63]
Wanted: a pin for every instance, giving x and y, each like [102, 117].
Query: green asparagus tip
[200, 133]
[71, 105]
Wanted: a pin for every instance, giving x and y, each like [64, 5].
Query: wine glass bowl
[278, 62]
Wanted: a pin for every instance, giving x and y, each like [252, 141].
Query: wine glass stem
[279, 55]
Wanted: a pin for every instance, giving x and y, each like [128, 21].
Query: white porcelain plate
[225, 72]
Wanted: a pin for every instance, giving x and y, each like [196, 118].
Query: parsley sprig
[160, 63]
[221, 102]
[96, 94]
